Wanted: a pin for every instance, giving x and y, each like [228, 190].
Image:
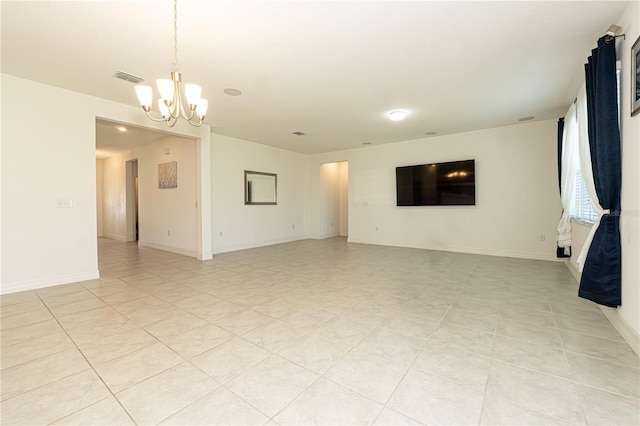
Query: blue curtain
[601, 275]
[560, 133]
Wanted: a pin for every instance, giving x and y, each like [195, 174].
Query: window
[581, 210]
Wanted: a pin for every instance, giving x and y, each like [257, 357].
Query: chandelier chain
[175, 35]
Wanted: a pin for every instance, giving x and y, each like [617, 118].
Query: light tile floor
[314, 332]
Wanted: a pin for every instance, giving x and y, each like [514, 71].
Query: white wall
[99, 199]
[46, 157]
[344, 198]
[167, 217]
[630, 137]
[626, 318]
[516, 193]
[238, 226]
[43, 245]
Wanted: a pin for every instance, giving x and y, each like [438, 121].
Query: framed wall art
[635, 78]
[168, 175]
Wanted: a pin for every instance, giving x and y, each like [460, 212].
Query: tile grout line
[92, 368]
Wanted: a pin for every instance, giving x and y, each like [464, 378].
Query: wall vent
[128, 77]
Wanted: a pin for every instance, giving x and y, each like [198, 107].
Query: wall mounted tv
[437, 184]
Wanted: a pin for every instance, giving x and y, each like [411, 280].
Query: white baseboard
[115, 237]
[256, 244]
[574, 271]
[170, 249]
[8, 288]
[627, 332]
[330, 235]
[469, 250]
[205, 256]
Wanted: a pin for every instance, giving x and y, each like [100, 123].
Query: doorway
[133, 225]
[334, 183]
[175, 219]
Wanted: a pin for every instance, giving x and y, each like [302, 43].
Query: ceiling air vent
[128, 77]
[298, 133]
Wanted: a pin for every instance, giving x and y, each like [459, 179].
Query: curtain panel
[587, 171]
[561, 251]
[569, 163]
[601, 275]
[560, 135]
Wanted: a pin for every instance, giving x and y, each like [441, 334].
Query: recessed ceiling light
[298, 133]
[526, 118]
[430, 133]
[232, 92]
[121, 128]
[398, 115]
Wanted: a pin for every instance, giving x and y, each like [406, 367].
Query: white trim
[237, 247]
[176, 250]
[469, 250]
[626, 331]
[329, 235]
[203, 198]
[114, 237]
[205, 256]
[574, 270]
[8, 288]
[582, 222]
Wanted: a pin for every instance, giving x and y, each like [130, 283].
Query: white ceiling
[110, 140]
[332, 69]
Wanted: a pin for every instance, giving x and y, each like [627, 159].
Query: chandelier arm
[159, 120]
[170, 121]
[174, 111]
[186, 116]
[195, 124]
[180, 108]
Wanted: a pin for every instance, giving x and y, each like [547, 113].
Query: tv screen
[437, 184]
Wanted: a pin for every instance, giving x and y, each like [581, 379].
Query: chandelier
[170, 102]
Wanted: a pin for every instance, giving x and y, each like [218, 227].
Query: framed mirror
[260, 188]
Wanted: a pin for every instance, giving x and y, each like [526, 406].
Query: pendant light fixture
[170, 102]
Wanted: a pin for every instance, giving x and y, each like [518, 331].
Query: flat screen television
[438, 184]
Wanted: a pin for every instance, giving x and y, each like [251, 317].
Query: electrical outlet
[376, 228]
[168, 233]
[220, 234]
[542, 237]
[64, 203]
[293, 226]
